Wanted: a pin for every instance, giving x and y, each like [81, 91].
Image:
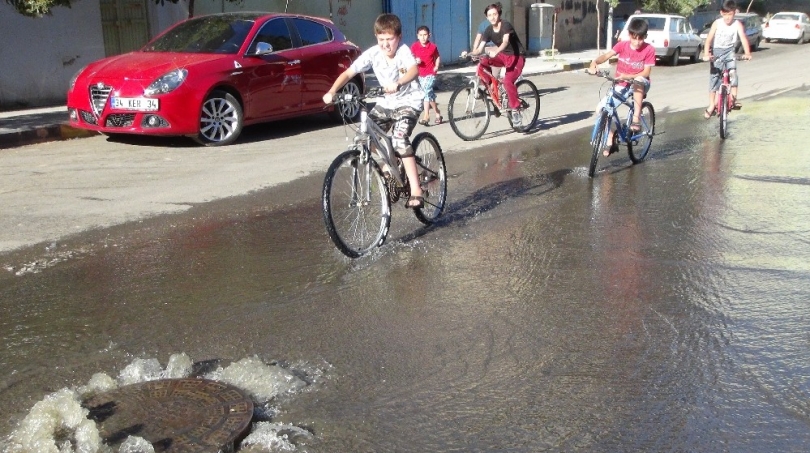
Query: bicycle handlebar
[606, 75]
[736, 58]
[346, 98]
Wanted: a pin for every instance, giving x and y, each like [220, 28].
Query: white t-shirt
[388, 71]
[725, 36]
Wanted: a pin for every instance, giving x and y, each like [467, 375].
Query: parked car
[671, 35]
[752, 23]
[209, 76]
[787, 27]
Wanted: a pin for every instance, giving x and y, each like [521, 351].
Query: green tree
[36, 8]
[682, 7]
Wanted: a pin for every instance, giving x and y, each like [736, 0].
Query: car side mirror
[263, 48]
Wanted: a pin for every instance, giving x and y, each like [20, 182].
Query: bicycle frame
[613, 100]
[368, 136]
[475, 80]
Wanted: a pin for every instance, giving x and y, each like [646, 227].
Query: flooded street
[661, 306]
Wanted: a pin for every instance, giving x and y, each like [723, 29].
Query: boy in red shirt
[636, 59]
[427, 60]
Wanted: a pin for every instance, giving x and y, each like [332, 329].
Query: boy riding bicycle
[635, 61]
[396, 70]
[509, 54]
[720, 45]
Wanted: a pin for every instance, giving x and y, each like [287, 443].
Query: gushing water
[60, 424]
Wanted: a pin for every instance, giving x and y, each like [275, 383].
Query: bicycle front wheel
[356, 209]
[432, 176]
[723, 112]
[529, 106]
[639, 143]
[469, 113]
[600, 137]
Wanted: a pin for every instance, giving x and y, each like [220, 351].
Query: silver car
[671, 35]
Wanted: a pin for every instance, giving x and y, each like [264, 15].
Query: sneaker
[517, 118]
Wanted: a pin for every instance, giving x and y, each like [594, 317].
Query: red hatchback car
[209, 76]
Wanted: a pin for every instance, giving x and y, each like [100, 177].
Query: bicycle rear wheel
[599, 140]
[356, 209]
[432, 176]
[639, 143]
[469, 113]
[529, 106]
[723, 112]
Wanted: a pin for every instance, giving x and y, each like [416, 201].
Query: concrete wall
[576, 26]
[40, 55]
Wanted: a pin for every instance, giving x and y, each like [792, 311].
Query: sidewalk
[26, 127]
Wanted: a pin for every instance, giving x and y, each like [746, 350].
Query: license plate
[141, 104]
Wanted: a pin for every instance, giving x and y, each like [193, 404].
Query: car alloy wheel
[220, 119]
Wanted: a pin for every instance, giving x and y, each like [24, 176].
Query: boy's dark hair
[638, 27]
[423, 28]
[497, 6]
[729, 6]
[388, 23]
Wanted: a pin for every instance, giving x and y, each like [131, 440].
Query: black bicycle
[357, 193]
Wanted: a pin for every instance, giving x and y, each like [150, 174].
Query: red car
[209, 76]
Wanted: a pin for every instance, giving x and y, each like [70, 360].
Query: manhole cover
[175, 415]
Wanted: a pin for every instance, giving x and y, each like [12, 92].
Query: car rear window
[312, 32]
[655, 23]
[785, 17]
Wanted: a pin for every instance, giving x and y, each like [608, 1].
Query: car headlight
[73, 79]
[167, 82]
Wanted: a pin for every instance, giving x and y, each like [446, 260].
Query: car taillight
[798, 26]
[666, 43]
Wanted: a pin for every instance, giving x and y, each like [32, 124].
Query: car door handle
[294, 62]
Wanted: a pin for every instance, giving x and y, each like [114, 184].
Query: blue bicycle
[609, 126]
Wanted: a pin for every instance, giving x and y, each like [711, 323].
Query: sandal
[708, 114]
[439, 120]
[735, 105]
[635, 126]
[420, 202]
[608, 150]
[424, 122]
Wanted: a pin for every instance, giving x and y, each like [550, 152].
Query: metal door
[448, 21]
[125, 25]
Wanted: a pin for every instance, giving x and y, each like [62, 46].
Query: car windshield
[207, 34]
[785, 17]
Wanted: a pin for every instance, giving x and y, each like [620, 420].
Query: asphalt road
[52, 191]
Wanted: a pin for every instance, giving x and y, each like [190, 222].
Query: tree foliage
[682, 7]
[37, 8]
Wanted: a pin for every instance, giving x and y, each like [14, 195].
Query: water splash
[59, 424]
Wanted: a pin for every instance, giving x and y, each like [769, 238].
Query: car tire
[675, 58]
[755, 46]
[348, 112]
[696, 57]
[221, 119]
[768, 40]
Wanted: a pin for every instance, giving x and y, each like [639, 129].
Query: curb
[42, 134]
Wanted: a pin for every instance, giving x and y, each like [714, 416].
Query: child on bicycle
[720, 44]
[395, 69]
[510, 54]
[427, 60]
[635, 61]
